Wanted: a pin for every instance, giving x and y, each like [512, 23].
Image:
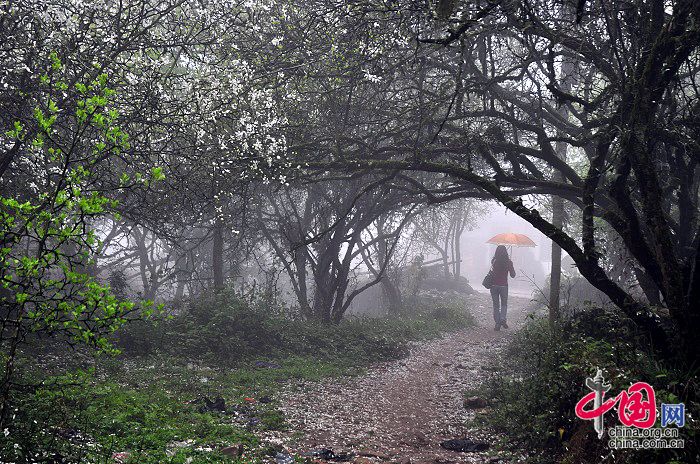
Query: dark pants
[499, 294]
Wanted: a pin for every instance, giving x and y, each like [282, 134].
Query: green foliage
[542, 377]
[224, 329]
[47, 241]
[81, 419]
[147, 400]
[47, 244]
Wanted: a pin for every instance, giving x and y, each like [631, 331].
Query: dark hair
[500, 258]
[501, 253]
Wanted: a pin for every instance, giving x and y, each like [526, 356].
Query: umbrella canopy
[509, 238]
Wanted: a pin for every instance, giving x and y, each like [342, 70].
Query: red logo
[636, 406]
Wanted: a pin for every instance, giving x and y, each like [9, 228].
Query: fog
[531, 265]
[233, 197]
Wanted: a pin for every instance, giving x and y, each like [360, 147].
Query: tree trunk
[446, 248]
[558, 217]
[324, 279]
[646, 283]
[323, 300]
[218, 254]
[555, 273]
[182, 274]
[147, 270]
[560, 149]
[457, 244]
[392, 295]
[6, 385]
[300, 289]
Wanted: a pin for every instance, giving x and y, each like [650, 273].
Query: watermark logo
[673, 414]
[636, 411]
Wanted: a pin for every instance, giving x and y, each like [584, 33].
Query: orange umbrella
[511, 239]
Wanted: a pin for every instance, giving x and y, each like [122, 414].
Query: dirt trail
[402, 410]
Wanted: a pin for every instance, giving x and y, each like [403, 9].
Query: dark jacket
[500, 272]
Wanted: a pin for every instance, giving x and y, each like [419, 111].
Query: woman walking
[502, 266]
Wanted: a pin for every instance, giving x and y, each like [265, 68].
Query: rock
[217, 405]
[265, 399]
[172, 447]
[322, 453]
[420, 438]
[328, 454]
[475, 402]
[235, 451]
[441, 284]
[284, 458]
[343, 456]
[465, 445]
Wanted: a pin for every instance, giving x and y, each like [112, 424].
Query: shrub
[542, 376]
[146, 401]
[77, 419]
[226, 330]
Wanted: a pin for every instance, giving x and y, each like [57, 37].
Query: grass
[85, 420]
[148, 404]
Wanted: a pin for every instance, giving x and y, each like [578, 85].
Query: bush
[542, 377]
[76, 419]
[147, 400]
[226, 330]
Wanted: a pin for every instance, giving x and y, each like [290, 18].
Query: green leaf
[16, 132]
[157, 174]
[55, 61]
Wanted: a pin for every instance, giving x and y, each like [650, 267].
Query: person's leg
[504, 306]
[496, 306]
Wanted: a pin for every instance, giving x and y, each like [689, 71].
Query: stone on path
[474, 402]
[465, 445]
[235, 451]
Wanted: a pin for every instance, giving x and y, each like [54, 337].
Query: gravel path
[400, 411]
